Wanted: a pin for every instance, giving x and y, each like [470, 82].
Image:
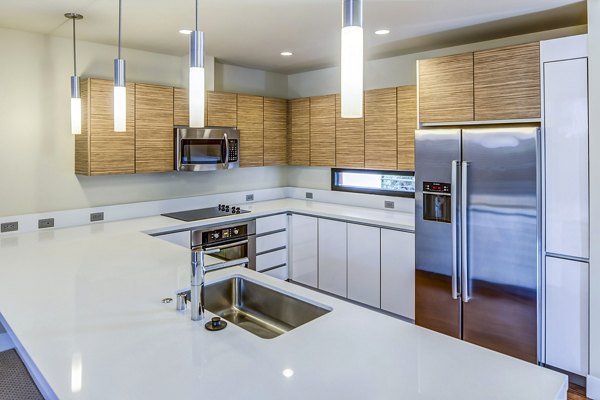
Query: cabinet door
[304, 250]
[275, 132]
[322, 131]
[349, 139]
[250, 122]
[110, 152]
[567, 160]
[407, 124]
[381, 138]
[153, 128]
[300, 132]
[364, 273]
[507, 83]
[181, 108]
[446, 88]
[567, 315]
[221, 109]
[398, 272]
[332, 256]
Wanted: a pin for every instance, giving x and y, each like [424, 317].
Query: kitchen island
[84, 305]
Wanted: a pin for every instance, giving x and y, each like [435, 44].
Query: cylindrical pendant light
[196, 84]
[75, 92]
[120, 90]
[352, 60]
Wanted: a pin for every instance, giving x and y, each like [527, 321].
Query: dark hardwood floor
[576, 392]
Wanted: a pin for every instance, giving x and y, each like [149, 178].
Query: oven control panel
[225, 234]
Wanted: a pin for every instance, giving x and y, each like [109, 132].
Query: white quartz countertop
[85, 304]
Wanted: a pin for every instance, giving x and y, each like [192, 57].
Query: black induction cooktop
[222, 210]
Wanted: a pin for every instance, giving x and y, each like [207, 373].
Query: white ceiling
[253, 32]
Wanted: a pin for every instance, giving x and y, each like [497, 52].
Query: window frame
[381, 192]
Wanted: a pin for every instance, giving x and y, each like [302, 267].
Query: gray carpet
[15, 381]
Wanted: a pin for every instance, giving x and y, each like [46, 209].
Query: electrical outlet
[45, 223]
[250, 197]
[389, 204]
[309, 195]
[95, 217]
[9, 226]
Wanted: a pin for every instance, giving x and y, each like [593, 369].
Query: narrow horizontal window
[389, 183]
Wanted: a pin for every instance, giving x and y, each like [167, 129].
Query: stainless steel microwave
[206, 149]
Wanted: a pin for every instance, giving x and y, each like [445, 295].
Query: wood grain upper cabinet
[507, 83]
[446, 88]
[99, 150]
[221, 109]
[250, 122]
[407, 123]
[275, 131]
[349, 139]
[181, 108]
[381, 145]
[153, 128]
[322, 131]
[300, 131]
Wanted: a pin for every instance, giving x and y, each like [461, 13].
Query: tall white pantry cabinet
[566, 202]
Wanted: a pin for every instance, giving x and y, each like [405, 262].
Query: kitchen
[82, 217]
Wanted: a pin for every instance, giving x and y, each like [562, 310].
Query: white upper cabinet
[364, 264]
[304, 250]
[566, 153]
[398, 272]
[332, 256]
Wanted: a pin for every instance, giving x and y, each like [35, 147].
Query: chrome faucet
[199, 270]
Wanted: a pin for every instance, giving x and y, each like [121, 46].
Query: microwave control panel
[233, 150]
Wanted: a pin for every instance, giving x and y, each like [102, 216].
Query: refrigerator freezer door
[502, 240]
[435, 150]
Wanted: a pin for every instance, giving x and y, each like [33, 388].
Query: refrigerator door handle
[464, 278]
[455, 225]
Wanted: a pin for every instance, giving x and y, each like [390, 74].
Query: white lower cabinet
[332, 256]
[279, 273]
[364, 264]
[304, 250]
[567, 315]
[398, 272]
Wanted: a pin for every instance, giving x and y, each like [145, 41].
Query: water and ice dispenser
[437, 202]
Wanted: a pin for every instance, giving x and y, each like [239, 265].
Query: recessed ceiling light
[288, 373]
[382, 32]
[286, 53]
[185, 31]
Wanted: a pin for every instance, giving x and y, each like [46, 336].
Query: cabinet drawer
[270, 224]
[279, 273]
[270, 260]
[270, 242]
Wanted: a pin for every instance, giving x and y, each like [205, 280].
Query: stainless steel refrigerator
[478, 236]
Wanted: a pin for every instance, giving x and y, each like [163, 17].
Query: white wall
[594, 75]
[36, 147]
[231, 78]
[383, 73]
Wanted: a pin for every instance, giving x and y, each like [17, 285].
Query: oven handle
[222, 246]
[226, 148]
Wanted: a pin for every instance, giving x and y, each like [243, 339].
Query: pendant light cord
[74, 51]
[119, 29]
[196, 14]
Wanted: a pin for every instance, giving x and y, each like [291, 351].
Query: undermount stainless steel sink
[265, 312]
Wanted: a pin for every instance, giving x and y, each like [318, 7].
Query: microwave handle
[226, 148]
